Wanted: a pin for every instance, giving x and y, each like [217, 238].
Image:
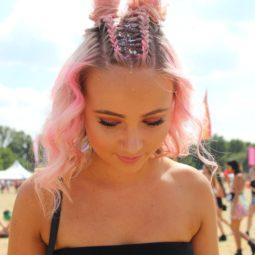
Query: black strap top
[153, 248]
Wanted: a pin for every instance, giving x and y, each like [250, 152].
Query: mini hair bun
[103, 8]
[154, 8]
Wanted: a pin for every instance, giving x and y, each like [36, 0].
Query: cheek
[156, 138]
[99, 138]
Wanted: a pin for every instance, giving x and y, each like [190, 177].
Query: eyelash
[112, 124]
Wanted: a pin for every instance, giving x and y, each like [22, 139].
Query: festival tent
[15, 172]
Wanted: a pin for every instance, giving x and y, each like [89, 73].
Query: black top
[153, 248]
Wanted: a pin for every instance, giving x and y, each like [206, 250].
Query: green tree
[7, 157]
[235, 146]
[217, 146]
[5, 136]
[222, 151]
[20, 144]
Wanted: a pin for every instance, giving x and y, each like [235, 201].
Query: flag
[206, 121]
[251, 156]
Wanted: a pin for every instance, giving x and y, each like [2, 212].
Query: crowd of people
[5, 188]
[5, 185]
[228, 188]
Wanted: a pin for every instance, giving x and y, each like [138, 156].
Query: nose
[132, 144]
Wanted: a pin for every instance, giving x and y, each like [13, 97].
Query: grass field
[226, 248]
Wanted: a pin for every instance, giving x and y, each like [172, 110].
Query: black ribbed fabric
[153, 248]
[157, 248]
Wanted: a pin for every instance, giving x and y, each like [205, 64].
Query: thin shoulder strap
[54, 228]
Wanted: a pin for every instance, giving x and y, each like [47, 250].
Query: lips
[129, 159]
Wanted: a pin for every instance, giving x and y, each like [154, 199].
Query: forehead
[120, 87]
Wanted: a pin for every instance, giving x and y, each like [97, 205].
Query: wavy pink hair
[64, 131]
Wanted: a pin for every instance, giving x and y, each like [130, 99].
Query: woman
[252, 204]
[120, 107]
[238, 206]
[219, 193]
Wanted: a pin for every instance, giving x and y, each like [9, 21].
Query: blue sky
[214, 40]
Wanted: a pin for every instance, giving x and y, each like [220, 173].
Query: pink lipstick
[129, 160]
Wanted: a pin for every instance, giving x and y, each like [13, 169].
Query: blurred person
[229, 177]
[252, 203]
[238, 203]
[219, 193]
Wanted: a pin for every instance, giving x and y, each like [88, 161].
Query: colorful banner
[207, 130]
[251, 156]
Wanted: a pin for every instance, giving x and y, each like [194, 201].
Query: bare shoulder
[27, 195]
[189, 177]
[199, 196]
[26, 190]
[27, 204]
[27, 218]
[192, 186]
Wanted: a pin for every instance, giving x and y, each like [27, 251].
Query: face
[127, 113]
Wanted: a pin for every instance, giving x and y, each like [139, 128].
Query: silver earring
[86, 147]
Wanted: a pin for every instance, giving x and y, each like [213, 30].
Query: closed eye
[113, 124]
[108, 124]
[155, 123]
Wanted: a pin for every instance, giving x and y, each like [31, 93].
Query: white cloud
[59, 22]
[23, 108]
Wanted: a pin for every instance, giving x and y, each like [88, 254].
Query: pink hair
[64, 131]
[103, 8]
[156, 11]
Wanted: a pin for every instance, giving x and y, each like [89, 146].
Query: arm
[205, 241]
[2, 225]
[24, 237]
[238, 185]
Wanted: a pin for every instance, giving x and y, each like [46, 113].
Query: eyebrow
[123, 116]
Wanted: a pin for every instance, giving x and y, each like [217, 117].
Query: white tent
[15, 172]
